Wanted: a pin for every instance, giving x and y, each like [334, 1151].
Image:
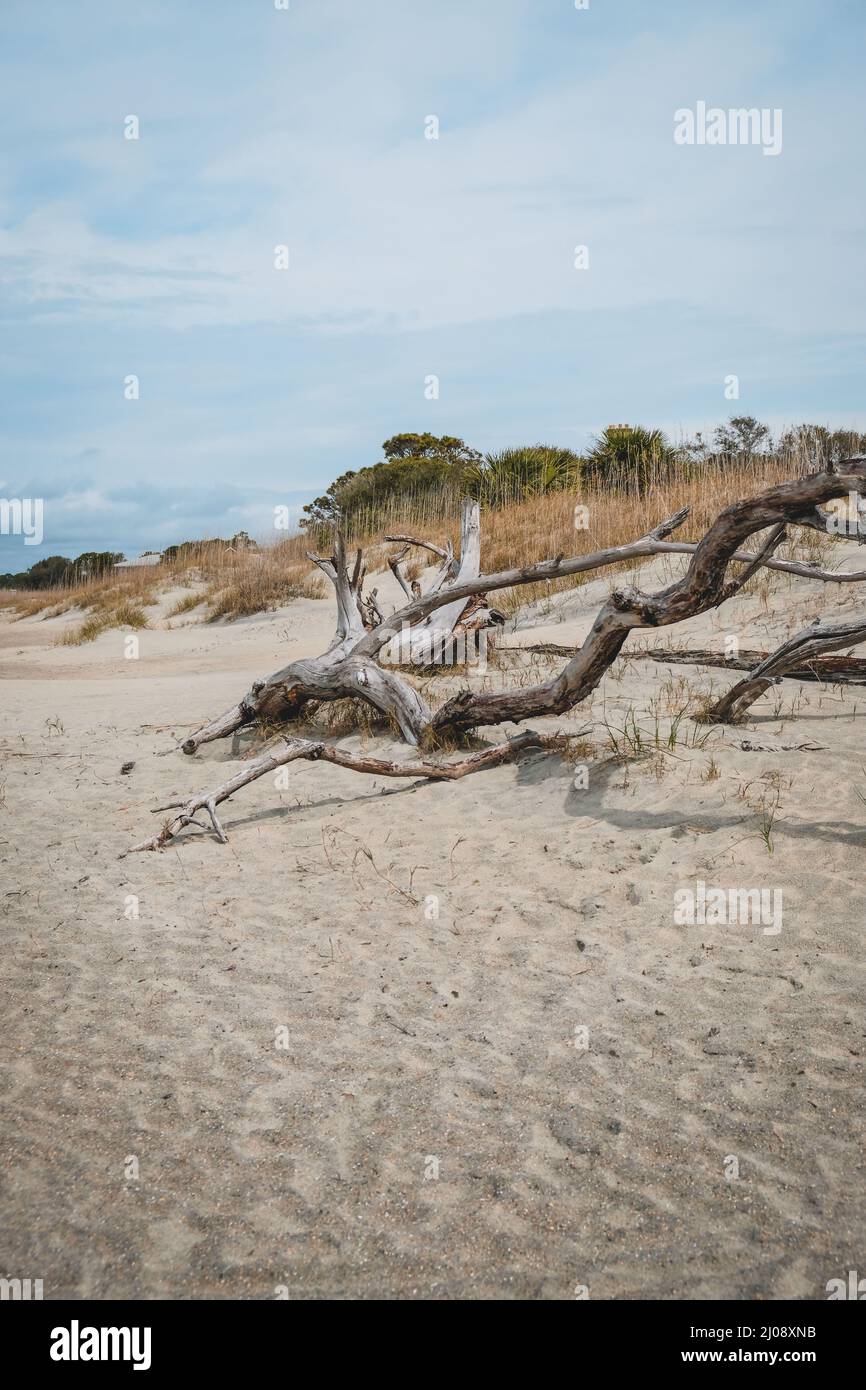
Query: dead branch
[835, 670]
[336, 674]
[812, 642]
[394, 567]
[703, 586]
[284, 694]
[445, 553]
[295, 748]
[431, 637]
[802, 568]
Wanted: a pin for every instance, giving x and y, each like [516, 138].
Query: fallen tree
[313, 751]
[350, 667]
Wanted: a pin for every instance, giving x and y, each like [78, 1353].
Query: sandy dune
[417, 1043]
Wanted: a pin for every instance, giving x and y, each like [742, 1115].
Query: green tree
[445, 448]
[56, 571]
[741, 437]
[326, 509]
[93, 563]
[413, 464]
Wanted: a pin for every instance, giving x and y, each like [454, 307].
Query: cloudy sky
[408, 257]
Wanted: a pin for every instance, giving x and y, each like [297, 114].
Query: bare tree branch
[812, 642]
[349, 666]
[295, 748]
[703, 586]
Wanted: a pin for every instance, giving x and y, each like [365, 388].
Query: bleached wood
[314, 750]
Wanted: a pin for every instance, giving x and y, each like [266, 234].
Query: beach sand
[429, 1040]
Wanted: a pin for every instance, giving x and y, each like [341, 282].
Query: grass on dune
[239, 583]
[124, 613]
[259, 589]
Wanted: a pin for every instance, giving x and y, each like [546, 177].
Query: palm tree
[630, 457]
[526, 471]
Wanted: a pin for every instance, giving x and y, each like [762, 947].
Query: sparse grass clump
[123, 614]
[634, 741]
[185, 605]
[259, 588]
[337, 718]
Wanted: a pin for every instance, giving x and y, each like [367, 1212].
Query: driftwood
[431, 638]
[447, 569]
[351, 665]
[836, 670]
[808, 646]
[337, 674]
[298, 748]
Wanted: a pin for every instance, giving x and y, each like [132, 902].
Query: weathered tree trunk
[704, 586]
[284, 694]
[833, 670]
[432, 639]
[338, 674]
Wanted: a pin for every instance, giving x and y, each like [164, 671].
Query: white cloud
[389, 230]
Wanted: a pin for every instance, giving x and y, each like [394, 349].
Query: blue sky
[408, 257]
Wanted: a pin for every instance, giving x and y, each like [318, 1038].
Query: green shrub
[512, 475]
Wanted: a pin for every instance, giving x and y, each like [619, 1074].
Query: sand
[429, 1041]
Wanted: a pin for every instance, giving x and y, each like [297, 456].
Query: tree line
[58, 572]
[624, 457]
[628, 458]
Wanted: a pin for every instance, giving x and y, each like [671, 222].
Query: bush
[512, 475]
[629, 458]
[414, 465]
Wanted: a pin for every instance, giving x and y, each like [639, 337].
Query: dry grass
[523, 533]
[185, 605]
[100, 595]
[240, 583]
[124, 613]
[261, 587]
[337, 718]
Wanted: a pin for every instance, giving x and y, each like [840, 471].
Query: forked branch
[814, 641]
[314, 751]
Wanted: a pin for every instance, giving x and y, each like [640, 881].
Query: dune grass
[231, 584]
[262, 587]
[123, 613]
[185, 605]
